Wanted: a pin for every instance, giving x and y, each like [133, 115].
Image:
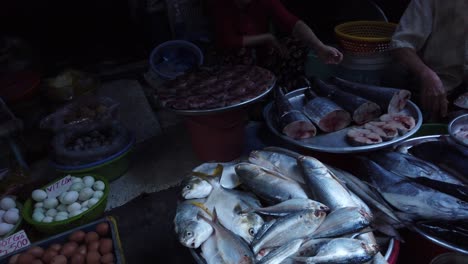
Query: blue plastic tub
[175, 57]
[110, 168]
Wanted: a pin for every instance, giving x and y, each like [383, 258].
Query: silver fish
[229, 205]
[231, 248]
[191, 230]
[229, 178]
[210, 251]
[325, 187]
[279, 162]
[267, 184]
[195, 187]
[342, 250]
[286, 228]
[263, 230]
[290, 206]
[279, 254]
[342, 221]
[311, 246]
[415, 200]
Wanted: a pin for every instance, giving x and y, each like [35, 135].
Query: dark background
[80, 33]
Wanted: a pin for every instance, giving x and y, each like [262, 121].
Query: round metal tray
[226, 108]
[456, 124]
[335, 142]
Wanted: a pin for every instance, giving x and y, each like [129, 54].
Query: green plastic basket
[18, 224]
[55, 227]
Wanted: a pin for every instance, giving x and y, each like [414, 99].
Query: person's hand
[329, 55]
[273, 41]
[433, 95]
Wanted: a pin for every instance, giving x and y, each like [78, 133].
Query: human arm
[327, 54]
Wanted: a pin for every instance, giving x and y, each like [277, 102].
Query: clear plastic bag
[87, 144]
[83, 112]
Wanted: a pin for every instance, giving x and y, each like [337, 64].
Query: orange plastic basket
[365, 37]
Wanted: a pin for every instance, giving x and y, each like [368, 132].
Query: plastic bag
[83, 112]
[87, 144]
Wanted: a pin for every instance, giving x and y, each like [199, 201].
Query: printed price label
[56, 188]
[14, 242]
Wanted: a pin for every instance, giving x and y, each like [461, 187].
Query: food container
[111, 167]
[55, 227]
[18, 224]
[456, 126]
[63, 237]
[450, 258]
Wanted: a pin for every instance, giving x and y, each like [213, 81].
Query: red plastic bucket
[217, 137]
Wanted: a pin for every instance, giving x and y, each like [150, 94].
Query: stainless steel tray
[455, 124]
[226, 108]
[335, 142]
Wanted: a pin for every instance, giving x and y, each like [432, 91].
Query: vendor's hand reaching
[329, 55]
[433, 95]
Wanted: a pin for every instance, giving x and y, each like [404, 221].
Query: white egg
[2, 212]
[92, 202]
[14, 210]
[40, 210]
[85, 203]
[61, 208]
[75, 213]
[39, 205]
[63, 214]
[51, 212]
[98, 194]
[60, 217]
[76, 179]
[85, 194]
[47, 219]
[99, 186]
[5, 228]
[84, 209]
[70, 197]
[50, 203]
[60, 197]
[11, 217]
[78, 186]
[7, 203]
[38, 216]
[88, 181]
[39, 195]
[73, 207]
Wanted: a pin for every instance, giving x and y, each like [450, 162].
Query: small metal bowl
[456, 125]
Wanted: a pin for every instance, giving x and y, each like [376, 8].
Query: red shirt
[232, 23]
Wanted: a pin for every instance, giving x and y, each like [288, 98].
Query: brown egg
[25, 258]
[78, 259]
[36, 251]
[59, 259]
[49, 254]
[37, 261]
[93, 246]
[91, 236]
[102, 229]
[82, 249]
[77, 236]
[107, 258]
[93, 258]
[13, 259]
[69, 249]
[56, 247]
[105, 246]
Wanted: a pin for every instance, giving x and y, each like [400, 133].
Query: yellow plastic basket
[365, 37]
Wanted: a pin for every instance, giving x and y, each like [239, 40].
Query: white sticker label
[14, 242]
[56, 188]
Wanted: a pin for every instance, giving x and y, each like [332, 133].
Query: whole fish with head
[324, 186]
[210, 251]
[269, 185]
[279, 162]
[194, 187]
[289, 227]
[191, 230]
[231, 248]
[411, 166]
[415, 200]
[281, 253]
[229, 205]
[342, 250]
[290, 206]
[342, 221]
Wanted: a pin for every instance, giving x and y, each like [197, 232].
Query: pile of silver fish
[278, 206]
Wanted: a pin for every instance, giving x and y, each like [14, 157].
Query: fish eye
[187, 187]
[188, 234]
[251, 231]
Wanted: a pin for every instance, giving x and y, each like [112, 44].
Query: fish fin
[283, 151]
[363, 231]
[276, 173]
[203, 207]
[237, 209]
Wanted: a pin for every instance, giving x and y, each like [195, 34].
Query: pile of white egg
[9, 215]
[80, 196]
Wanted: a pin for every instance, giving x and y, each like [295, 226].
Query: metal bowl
[456, 125]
